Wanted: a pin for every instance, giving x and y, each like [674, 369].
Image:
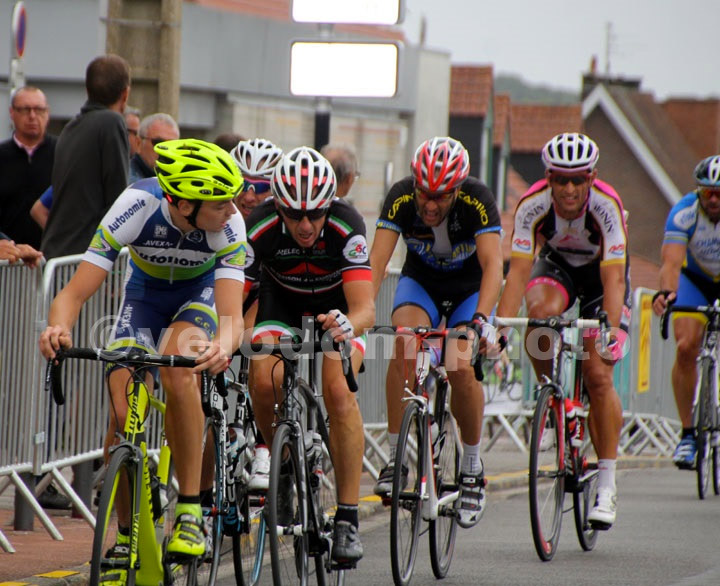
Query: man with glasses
[132, 121]
[310, 249]
[577, 222]
[344, 162]
[690, 275]
[154, 129]
[26, 162]
[453, 270]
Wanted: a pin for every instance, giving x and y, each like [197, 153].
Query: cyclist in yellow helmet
[187, 254]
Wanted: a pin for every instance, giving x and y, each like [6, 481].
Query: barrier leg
[23, 511]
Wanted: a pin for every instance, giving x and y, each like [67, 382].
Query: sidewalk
[42, 561]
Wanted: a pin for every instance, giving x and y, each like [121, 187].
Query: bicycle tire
[122, 470]
[583, 501]
[206, 568]
[704, 425]
[443, 529]
[249, 542]
[547, 479]
[716, 470]
[289, 554]
[406, 504]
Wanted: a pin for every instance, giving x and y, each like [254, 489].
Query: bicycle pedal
[336, 566]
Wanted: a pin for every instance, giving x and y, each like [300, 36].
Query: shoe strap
[189, 527]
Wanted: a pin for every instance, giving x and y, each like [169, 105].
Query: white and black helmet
[304, 180]
[257, 157]
[707, 172]
[570, 152]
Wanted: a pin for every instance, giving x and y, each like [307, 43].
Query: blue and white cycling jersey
[160, 254]
[688, 224]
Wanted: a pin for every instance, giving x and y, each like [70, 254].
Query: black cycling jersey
[442, 256]
[339, 255]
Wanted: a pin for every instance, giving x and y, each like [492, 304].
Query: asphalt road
[664, 535]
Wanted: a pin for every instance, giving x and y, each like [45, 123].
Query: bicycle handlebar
[707, 310]
[424, 333]
[293, 350]
[555, 322]
[133, 357]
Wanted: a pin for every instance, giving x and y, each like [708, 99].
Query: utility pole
[147, 35]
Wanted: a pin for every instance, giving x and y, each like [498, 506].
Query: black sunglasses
[574, 179]
[298, 215]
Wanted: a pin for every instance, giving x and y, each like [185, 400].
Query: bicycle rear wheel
[704, 426]
[406, 505]
[120, 478]
[547, 475]
[444, 529]
[288, 543]
[250, 538]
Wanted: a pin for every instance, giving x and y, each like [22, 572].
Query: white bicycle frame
[428, 494]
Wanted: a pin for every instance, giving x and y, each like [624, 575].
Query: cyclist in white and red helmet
[690, 275]
[575, 225]
[453, 270]
[309, 250]
[256, 158]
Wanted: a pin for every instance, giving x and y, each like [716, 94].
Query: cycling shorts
[577, 283]
[457, 309]
[145, 313]
[286, 313]
[695, 290]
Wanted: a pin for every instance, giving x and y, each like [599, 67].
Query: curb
[368, 507]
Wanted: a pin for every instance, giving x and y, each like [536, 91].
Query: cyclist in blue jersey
[690, 275]
[308, 250]
[453, 269]
[187, 252]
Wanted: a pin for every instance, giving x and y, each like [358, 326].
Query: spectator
[228, 140]
[344, 163]
[132, 121]
[154, 129]
[15, 252]
[91, 166]
[26, 162]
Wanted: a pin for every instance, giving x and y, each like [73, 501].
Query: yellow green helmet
[197, 170]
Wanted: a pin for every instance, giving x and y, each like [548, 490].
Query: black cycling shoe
[347, 547]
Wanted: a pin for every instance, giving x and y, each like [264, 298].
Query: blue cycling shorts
[457, 309]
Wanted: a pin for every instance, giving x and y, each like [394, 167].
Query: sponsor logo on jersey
[99, 245]
[478, 205]
[356, 249]
[236, 259]
[157, 259]
[126, 317]
[230, 234]
[602, 211]
[195, 236]
[617, 250]
[249, 255]
[686, 218]
[161, 231]
[392, 212]
[156, 243]
[522, 244]
[529, 214]
[126, 215]
[207, 294]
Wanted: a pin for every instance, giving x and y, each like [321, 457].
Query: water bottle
[571, 421]
[235, 439]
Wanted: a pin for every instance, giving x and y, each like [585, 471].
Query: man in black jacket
[91, 163]
[26, 162]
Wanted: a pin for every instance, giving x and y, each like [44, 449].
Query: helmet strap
[192, 218]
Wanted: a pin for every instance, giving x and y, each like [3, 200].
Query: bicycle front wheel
[444, 528]
[547, 476]
[289, 550]
[406, 505]
[704, 426]
[118, 489]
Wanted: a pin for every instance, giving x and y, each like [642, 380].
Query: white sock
[471, 462]
[606, 473]
[392, 442]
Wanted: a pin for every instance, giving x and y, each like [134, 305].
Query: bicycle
[706, 409]
[558, 461]
[502, 376]
[429, 450]
[236, 511]
[300, 456]
[151, 497]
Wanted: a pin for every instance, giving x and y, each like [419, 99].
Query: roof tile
[471, 88]
[534, 124]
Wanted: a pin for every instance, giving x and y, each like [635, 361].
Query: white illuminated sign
[347, 11]
[338, 69]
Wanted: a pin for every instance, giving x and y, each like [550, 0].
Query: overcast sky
[673, 45]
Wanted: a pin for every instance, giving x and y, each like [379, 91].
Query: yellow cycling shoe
[114, 565]
[188, 538]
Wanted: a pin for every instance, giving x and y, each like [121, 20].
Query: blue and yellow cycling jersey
[160, 253]
[688, 224]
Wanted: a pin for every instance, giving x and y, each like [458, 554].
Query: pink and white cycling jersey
[598, 235]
